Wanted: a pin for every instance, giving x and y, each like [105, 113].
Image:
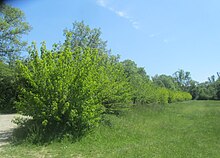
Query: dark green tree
[211, 79]
[139, 82]
[165, 81]
[210, 89]
[218, 90]
[183, 79]
[8, 88]
[193, 89]
[12, 27]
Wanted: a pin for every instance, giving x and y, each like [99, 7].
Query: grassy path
[189, 129]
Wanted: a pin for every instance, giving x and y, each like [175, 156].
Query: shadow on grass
[32, 132]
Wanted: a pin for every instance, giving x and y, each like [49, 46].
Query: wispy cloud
[166, 41]
[154, 35]
[163, 38]
[120, 13]
[102, 3]
[169, 40]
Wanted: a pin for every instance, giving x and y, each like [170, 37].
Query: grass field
[189, 129]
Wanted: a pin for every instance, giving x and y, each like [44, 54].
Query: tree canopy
[165, 81]
[12, 27]
[84, 36]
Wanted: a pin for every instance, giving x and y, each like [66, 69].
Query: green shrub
[8, 89]
[163, 95]
[178, 96]
[65, 92]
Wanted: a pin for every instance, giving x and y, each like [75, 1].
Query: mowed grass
[189, 129]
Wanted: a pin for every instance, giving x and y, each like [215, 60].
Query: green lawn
[189, 129]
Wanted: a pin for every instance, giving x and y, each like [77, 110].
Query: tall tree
[138, 80]
[218, 90]
[183, 79]
[12, 27]
[211, 79]
[165, 81]
[83, 36]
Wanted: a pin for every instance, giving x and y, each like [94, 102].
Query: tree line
[181, 80]
[69, 89]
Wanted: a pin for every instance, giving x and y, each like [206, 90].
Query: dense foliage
[165, 81]
[8, 88]
[12, 27]
[82, 35]
[210, 89]
[162, 90]
[182, 81]
[66, 92]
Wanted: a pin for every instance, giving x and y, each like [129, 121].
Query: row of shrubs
[144, 91]
[159, 95]
[178, 96]
[67, 92]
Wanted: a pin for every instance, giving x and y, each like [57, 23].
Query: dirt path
[6, 128]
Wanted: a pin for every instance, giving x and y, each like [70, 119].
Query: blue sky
[160, 35]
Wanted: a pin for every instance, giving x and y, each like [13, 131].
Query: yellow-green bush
[178, 96]
[67, 92]
[148, 93]
[163, 95]
[153, 94]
